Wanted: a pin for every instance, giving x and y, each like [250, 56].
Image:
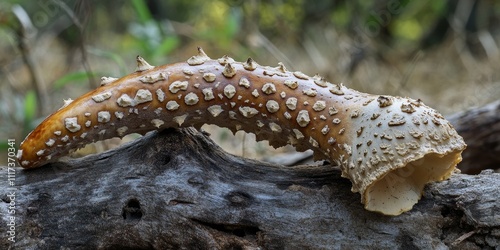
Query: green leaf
[113, 56]
[73, 77]
[167, 46]
[231, 27]
[409, 29]
[142, 10]
[29, 109]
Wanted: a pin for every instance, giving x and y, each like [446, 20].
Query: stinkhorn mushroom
[389, 147]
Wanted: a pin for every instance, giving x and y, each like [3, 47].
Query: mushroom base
[405, 185]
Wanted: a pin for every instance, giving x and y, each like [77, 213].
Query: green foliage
[340, 16]
[142, 11]
[220, 25]
[409, 29]
[283, 18]
[72, 78]
[167, 46]
[115, 57]
[149, 34]
[30, 103]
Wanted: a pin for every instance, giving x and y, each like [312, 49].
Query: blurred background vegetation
[443, 52]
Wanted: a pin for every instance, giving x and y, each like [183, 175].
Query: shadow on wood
[177, 189]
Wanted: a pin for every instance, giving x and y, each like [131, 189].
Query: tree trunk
[176, 189]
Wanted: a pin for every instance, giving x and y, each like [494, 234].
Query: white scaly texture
[389, 147]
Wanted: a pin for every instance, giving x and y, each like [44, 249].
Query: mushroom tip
[201, 51]
[142, 65]
[198, 59]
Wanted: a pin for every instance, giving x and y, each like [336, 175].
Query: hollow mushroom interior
[405, 185]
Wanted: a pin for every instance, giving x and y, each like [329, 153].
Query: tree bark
[480, 128]
[176, 189]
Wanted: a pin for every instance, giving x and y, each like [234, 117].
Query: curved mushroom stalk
[389, 147]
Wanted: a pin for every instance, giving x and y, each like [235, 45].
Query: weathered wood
[177, 190]
[480, 128]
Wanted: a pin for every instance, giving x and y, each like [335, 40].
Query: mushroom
[388, 147]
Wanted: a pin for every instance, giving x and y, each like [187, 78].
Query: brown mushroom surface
[389, 147]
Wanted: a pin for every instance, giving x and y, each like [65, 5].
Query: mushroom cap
[399, 145]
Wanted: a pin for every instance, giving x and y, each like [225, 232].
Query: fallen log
[176, 189]
[480, 128]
